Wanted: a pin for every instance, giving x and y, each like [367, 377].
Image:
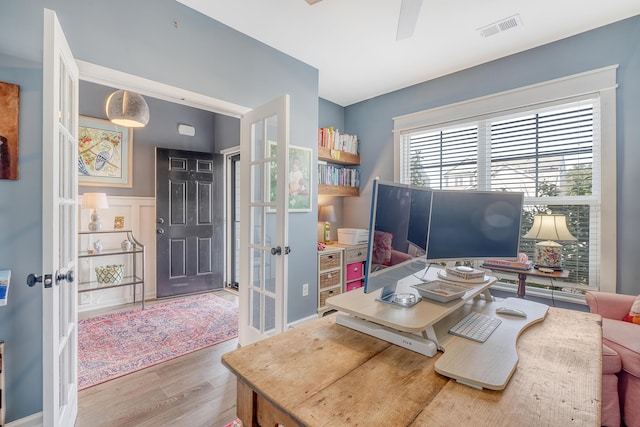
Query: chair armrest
[609, 305]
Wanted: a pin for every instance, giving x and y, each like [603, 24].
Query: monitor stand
[419, 344]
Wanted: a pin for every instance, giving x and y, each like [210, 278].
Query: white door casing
[59, 227]
[264, 199]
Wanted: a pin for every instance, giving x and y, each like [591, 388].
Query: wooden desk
[522, 275]
[323, 374]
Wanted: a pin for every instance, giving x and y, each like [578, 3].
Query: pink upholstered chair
[620, 359]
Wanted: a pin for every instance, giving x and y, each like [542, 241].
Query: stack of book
[334, 140]
[516, 265]
[465, 275]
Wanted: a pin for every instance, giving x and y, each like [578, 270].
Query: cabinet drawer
[355, 254]
[355, 285]
[354, 270]
[326, 294]
[330, 260]
[330, 278]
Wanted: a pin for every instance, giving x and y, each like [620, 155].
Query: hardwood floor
[192, 390]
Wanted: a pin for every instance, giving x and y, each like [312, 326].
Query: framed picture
[118, 223]
[5, 276]
[105, 153]
[300, 174]
[10, 110]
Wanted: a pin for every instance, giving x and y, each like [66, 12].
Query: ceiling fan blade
[409, 11]
[312, 2]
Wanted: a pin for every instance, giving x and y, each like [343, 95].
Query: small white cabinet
[113, 253]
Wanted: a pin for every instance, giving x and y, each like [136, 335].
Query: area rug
[117, 344]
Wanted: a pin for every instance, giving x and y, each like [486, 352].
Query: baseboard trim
[302, 321]
[34, 420]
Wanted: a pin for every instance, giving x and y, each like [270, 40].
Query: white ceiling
[353, 42]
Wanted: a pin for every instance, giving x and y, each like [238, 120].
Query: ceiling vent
[500, 26]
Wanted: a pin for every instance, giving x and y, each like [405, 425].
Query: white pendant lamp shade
[127, 109]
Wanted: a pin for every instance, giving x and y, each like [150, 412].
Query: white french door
[264, 198]
[59, 227]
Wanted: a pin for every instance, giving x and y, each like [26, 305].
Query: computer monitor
[467, 225]
[398, 230]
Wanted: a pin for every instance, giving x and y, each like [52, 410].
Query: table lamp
[327, 214]
[552, 229]
[95, 201]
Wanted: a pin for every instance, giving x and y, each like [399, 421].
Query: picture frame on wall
[299, 177]
[105, 153]
[9, 114]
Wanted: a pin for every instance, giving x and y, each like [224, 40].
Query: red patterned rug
[117, 344]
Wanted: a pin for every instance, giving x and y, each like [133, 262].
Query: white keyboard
[475, 326]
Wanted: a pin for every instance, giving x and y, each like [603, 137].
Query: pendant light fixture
[127, 109]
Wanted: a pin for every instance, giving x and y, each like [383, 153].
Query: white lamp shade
[550, 227]
[128, 109]
[95, 201]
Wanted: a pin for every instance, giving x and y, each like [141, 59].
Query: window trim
[600, 82]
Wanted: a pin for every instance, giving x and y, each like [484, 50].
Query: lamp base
[95, 224]
[549, 255]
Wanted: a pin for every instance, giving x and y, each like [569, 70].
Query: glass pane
[257, 141]
[270, 272]
[254, 304]
[256, 268]
[269, 314]
[256, 180]
[257, 214]
[272, 128]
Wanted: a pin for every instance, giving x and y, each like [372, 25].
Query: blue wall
[199, 55]
[617, 43]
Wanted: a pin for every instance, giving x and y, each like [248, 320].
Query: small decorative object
[97, 246]
[322, 246]
[126, 245]
[110, 274]
[118, 223]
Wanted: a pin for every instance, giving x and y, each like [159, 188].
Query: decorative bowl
[110, 274]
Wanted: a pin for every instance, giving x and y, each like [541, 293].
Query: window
[551, 150]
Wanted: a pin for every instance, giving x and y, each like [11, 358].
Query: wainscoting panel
[139, 216]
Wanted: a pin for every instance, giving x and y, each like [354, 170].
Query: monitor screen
[474, 225]
[398, 229]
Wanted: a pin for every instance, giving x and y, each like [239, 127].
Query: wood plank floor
[192, 390]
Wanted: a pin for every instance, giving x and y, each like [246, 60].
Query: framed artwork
[300, 174]
[5, 276]
[118, 223]
[105, 153]
[10, 109]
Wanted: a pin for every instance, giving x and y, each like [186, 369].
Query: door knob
[69, 276]
[160, 220]
[33, 279]
[160, 231]
[287, 250]
[276, 251]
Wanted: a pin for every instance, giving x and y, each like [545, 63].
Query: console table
[522, 275]
[324, 374]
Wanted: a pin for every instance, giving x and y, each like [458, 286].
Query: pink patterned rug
[117, 344]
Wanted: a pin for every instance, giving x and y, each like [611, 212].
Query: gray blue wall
[618, 43]
[199, 55]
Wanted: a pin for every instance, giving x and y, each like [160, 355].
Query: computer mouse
[510, 311]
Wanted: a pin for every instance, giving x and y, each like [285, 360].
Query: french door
[264, 198]
[59, 227]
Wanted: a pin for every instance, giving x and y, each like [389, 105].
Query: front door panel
[189, 209]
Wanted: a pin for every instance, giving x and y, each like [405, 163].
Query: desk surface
[324, 374]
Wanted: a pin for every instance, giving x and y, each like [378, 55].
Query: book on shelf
[465, 275]
[334, 140]
[338, 175]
